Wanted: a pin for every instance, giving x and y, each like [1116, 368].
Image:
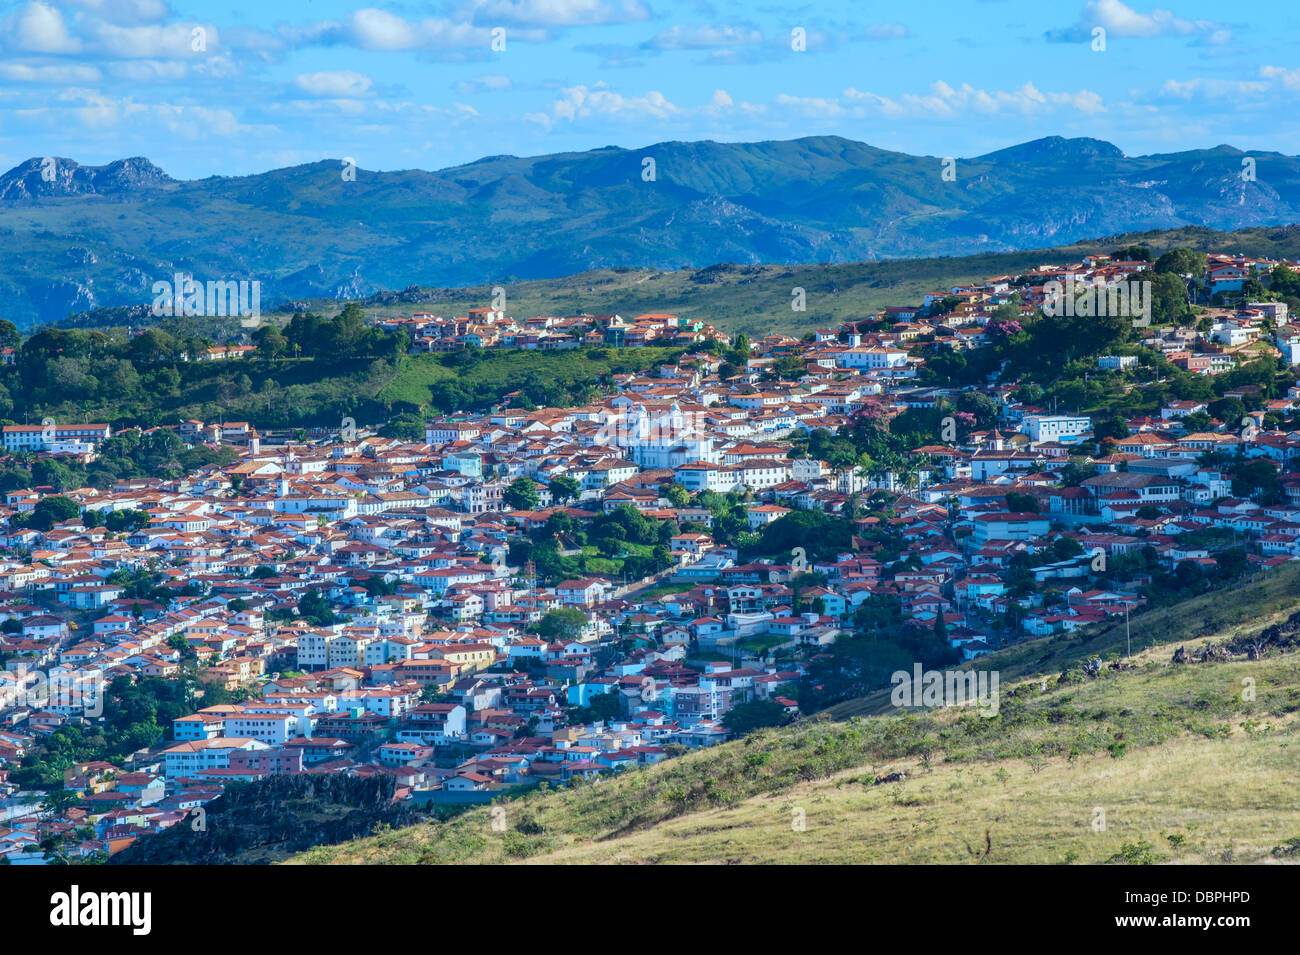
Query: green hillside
[299, 392]
[756, 299]
[101, 236]
[1154, 760]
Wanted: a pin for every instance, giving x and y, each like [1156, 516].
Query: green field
[756, 299]
[417, 374]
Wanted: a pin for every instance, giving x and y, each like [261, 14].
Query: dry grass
[1228, 800]
[1163, 750]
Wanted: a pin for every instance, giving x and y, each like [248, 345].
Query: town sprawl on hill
[1052, 513]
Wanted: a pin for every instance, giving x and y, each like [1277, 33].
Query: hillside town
[549, 595]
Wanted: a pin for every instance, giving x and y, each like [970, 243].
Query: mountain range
[75, 237]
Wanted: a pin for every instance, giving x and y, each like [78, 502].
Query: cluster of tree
[1039, 348]
[125, 377]
[132, 453]
[729, 513]
[345, 337]
[116, 522]
[820, 534]
[48, 511]
[613, 531]
[624, 537]
[55, 366]
[566, 623]
[883, 642]
[136, 715]
[1113, 396]
[315, 608]
[603, 706]
[1185, 262]
[522, 495]
[482, 376]
[755, 715]
[734, 359]
[250, 822]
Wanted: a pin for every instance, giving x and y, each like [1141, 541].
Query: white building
[1063, 428]
[45, 437]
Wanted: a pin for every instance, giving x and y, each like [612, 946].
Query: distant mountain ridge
[53, 176]
[76, 237]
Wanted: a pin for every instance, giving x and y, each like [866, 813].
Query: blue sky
[233, 87]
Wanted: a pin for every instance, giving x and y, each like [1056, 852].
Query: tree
[1228, 410]
[603, 707]
[1113, 426]
[755, 715]
[564, 489]
[821, 535]
[677, 495]
[1189, 574]
[1169, 302]
[1063, 548]
[1231, 563]
[52, 473]
[565, 624]
[316, 609]
[522, 495]
[9, 336]
[1134, 253]
[271, 342]
[1181, 262]
[1022, 503]
[1256, 478]
[50, 511]
[984, 409]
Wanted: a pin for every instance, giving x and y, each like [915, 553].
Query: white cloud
[90, 109]
[1119, 19]
[1290, 79]
[380, 30]
[341, 83]
[39, 28]
[484, 84]
[1212, 89]
[815, 106]
[125, 11]
[152, 42]
[558, 13]
[886, 31]
[149, 71]
[581, 102]
[705, 37]
[943, 101]
[59, 74]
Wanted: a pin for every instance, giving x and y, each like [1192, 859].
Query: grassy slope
[418, 373]
[1218, 615]
[756, 298]
[1165, 750]
[292, 392]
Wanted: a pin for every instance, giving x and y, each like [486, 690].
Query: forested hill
[78, 237]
